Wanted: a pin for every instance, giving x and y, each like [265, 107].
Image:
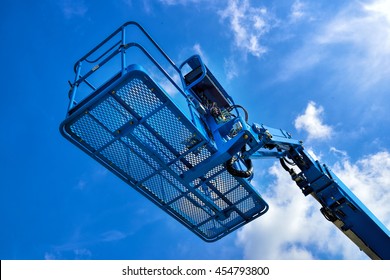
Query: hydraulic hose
[240, 173]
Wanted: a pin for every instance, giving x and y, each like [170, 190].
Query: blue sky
[318, 70]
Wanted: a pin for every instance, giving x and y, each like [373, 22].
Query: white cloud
[369, 179]
[81, 184]
[180, 2]
[231, 68]
[165, 83]
[276, 235]
[248, 24]
[90, 177]
[197, 48]
[147, 6]
[290, 229]
[297, 11]
[82, 253]
[112, 235]
[71, 8]
[381, 9]
[77, 247]
[311, 122]
[293, 228]
[49, 256]
[355, 43]
[341, 153]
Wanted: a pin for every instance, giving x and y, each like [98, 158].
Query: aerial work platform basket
[131, 125]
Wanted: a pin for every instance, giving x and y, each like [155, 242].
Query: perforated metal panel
[136, 131]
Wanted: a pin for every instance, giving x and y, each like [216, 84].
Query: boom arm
[338, 204]
[195, 163]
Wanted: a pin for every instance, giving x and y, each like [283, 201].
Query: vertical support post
[123, 51]
[73, 90]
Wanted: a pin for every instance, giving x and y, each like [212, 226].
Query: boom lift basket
[133, 128]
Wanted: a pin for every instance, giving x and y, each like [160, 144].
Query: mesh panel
[165, 190]
[246, 205]
[179, 167]
[86, 129]
[189, 210]
[208, 192]
[141, 153]
[139, 96]
[218, 181]
[153, 143]
[233, 219]
[139, 133]
[224, 182]
[111, 114]
[196, 157]
[169, 127]
[127, 161]
[237, 194]
[212, 228]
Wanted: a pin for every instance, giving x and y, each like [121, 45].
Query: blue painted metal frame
[131, 126]
[339, 204]
[113, 49]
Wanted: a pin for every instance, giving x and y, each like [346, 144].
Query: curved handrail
[122, 29]
[118, 47]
